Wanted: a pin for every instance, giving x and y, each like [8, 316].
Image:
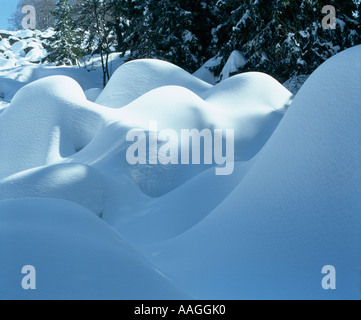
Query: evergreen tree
[178, 31]
[97, 20]
[285, 38]
[133, 24]
[280, 37]
[64, 46]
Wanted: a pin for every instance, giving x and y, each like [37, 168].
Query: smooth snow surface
[71, 204]
[77, 255]
[138, 77]
[297, 210]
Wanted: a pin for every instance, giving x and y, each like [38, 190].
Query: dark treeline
[280, 37]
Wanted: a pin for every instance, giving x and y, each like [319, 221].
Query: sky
[7, 7]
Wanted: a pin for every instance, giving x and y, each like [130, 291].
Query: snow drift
[297, 209]
[69, 128]
[290, 207]
[135, 78]
[77, 255]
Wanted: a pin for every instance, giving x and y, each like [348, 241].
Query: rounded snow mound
[56, 113]
[249, 92]
[251, 119]
[61, 88]
[297, 209]
[47, 120]
[90, 259]
[135, 78]
[289, 208]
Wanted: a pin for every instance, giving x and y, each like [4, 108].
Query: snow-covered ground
[95, 226]
[22, 47]
[21, 54]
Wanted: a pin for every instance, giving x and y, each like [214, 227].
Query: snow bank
[46, 121]
[21, 47]
[56, 112]
[78, 183]
[6, 64]
[76, 256]
[252, 119]
[297, 209]
[3, 105]
[143, 76]
[290, 207]
[8, 88]
[22, 73]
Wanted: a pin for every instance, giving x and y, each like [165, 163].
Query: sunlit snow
[95, 226]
